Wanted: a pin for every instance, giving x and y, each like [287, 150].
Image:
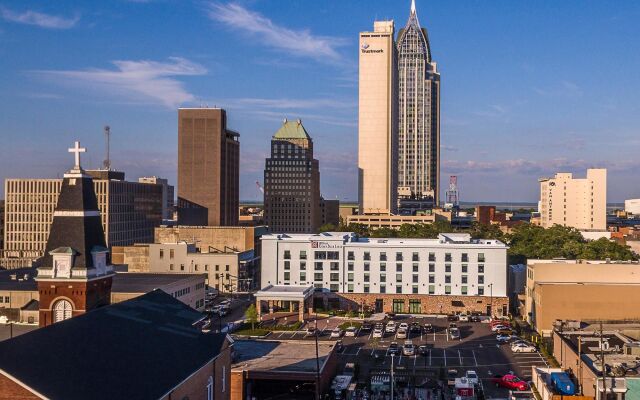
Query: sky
[529, 88]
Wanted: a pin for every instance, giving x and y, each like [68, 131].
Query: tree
[328, 228]
[251, 315]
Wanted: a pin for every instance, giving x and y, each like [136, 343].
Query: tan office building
[396, 221]
[580, 290]
[208, 168]
[129, 211]
[377, 120]
[578, 203]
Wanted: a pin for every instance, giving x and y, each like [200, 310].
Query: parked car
[520, 347]
[391, 315]
[452, 374]
[366, 328]
[503, 338]
[463, 318]
[510, 382]
[427, 328]
[506, 331]
[377, 333]
[401, 334]
[472, 377]
[404, 326]
[336, 333]
[474, 318]
[454, 334]
[223, 311]
[391, 327]
[311, 331]
[393, 348]
[423, 350]
[351, 331]
[415, 328]
[452, 317]
[452, 325]
[496, 328]
[408, 349]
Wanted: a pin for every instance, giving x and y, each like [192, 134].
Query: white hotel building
[450, 274]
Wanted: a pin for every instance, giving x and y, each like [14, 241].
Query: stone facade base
[415, 303]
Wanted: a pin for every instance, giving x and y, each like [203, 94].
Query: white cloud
[136, 81]
[285, 103]
[42, 20]
[294, 42]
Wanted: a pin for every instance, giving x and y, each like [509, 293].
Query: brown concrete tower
[208, 168]
[75, 276]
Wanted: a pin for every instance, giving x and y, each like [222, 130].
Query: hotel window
[333, 255]
[414, 289]
[317, 276]
[480, 257]
[447, 279]
[366, 266]
[217, 268]
[432, 268]
[181, 267]
[287, 255]
[366, 288]
[335, 266]
[464, 268]
[383, 266]
[480, 279]
[320, 255]
[318, 266]
[415, 278]
[464, 290]
[415, 257]
[287, 276]
[366, 277]
[398, 256]
[350, 288]
[415, 267]
[303, 276]
[367, 256]
[465, 257]
[447, 257]
[350, 266]
[447, 289]
[383, 256]
[398, 278]
[464, 279]
[303, 265]
[398, 267]
[350, 277]
[480, 269]
[480, 291]
[432, 256]
[447, 268]
[161, 254]
[334, 277]
[287, 265]
[432, 279]
[383, 289]
[226, 268]
[334, 287]
[303, 254]
[383, 277]
[398, 289]
[432, 289]
[171, 254]
[350, 255]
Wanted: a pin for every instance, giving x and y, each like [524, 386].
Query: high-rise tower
[377, 120]
[418, 114]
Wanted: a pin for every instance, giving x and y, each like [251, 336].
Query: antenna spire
[413, 6]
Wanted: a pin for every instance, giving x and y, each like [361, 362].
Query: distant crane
[106, 164]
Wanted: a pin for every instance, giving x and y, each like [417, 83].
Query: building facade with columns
[451, 274]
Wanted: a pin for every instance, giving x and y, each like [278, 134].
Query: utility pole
[604, 368]
[392, 356]
[317, 361]
[580, 362]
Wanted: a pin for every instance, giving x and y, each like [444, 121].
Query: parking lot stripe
[414, 361]
[358, 350]
[460, 357]
[429, 357]
[400, 359]
[373, 351]
[474, 357]
[445, 357]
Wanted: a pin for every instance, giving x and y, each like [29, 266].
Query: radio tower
[106, 164]
[453, 195]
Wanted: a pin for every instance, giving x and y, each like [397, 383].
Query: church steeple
[76, 252]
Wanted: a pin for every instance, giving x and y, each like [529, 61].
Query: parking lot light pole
[317, 361]
[392, 355]
[491, 301]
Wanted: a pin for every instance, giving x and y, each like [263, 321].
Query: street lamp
[491, 301]
[392, 356]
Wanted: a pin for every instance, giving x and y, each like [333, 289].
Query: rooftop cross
[77, 150]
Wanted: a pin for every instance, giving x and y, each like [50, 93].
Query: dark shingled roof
[138, 349]
[82, 234]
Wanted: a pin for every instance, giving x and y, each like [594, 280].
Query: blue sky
[528, 88]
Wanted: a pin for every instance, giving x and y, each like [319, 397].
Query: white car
[404, 326]
[522, 348]
[502, 338]
[4, 319]
[377, 333]
[463, 318]
[497, 328]
[472, 377]
[336, 333]
[402, 333]
[391, 327]
[454, 334]
[351, 331]
[408, 349]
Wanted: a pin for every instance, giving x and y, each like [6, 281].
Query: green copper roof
[291, 130]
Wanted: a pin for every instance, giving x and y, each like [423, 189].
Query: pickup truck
[510, 382]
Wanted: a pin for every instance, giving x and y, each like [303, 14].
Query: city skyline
[516, 103]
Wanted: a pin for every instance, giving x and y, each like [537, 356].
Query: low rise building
[270, 368]
[580, 290]
[120, 351]
[632, 206]
[451, 274]
[396, 221]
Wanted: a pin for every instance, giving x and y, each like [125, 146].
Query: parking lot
[476, 349]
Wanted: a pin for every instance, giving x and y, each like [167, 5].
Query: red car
[511, 382]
